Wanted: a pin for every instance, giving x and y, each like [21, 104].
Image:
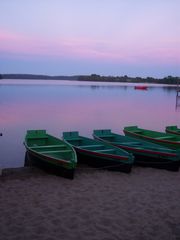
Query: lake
[59, 106]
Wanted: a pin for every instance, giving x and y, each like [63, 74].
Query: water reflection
[62, 107]
[178, 101]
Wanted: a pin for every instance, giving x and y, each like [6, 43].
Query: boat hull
[99, 155]
[146, 154]
[50, 153]
[162, 140]
[147, 158]
[160, 163]
[49, 164]
[103, 161]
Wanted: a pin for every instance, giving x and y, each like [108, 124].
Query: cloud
[15, 45]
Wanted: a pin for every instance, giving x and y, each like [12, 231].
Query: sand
[96, 205]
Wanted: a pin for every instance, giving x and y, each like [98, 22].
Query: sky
[138, 38]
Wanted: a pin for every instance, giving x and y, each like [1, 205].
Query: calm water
[59, 106]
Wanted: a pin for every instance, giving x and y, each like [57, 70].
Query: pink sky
[124, 34]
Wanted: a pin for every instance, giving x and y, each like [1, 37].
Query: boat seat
[91, 146]
[73, 139]
[165, 137]
[105, 150]
[37, 137]
[48, 146]
[105, 136]
[137, 131]
[117, 142]
[127, 143]
[57, 151]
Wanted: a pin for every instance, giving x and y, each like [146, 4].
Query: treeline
[98, 78]
[95, 78]
[37, 77]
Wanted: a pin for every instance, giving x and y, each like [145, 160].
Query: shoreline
[78, 82]
[95, 78]
[95, 205]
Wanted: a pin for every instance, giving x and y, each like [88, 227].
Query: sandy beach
[97, 204]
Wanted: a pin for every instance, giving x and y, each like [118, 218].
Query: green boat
[165, 139]
[51, 153]
[173, 130]
[98, 154]
[146, 153]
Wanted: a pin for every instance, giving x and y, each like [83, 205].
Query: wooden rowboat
[50, 152]
[165, 139]
[173, 130]
[98, 154]
[146, 153]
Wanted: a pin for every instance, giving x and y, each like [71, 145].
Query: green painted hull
[50, 151]
[169, 140]
[146, 153]
[98, 154]
[173, 130]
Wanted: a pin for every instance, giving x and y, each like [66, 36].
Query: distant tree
[170, 80]
[0, 76]
[125, 77]
[95, 77]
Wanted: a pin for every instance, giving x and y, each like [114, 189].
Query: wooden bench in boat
[164, 137]
[48, 146]
[57, 151]
[105, 150]
[107, 136]
[127, 143]
[91, 146]
[137, 131]
[115, 142]
[73, 139]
